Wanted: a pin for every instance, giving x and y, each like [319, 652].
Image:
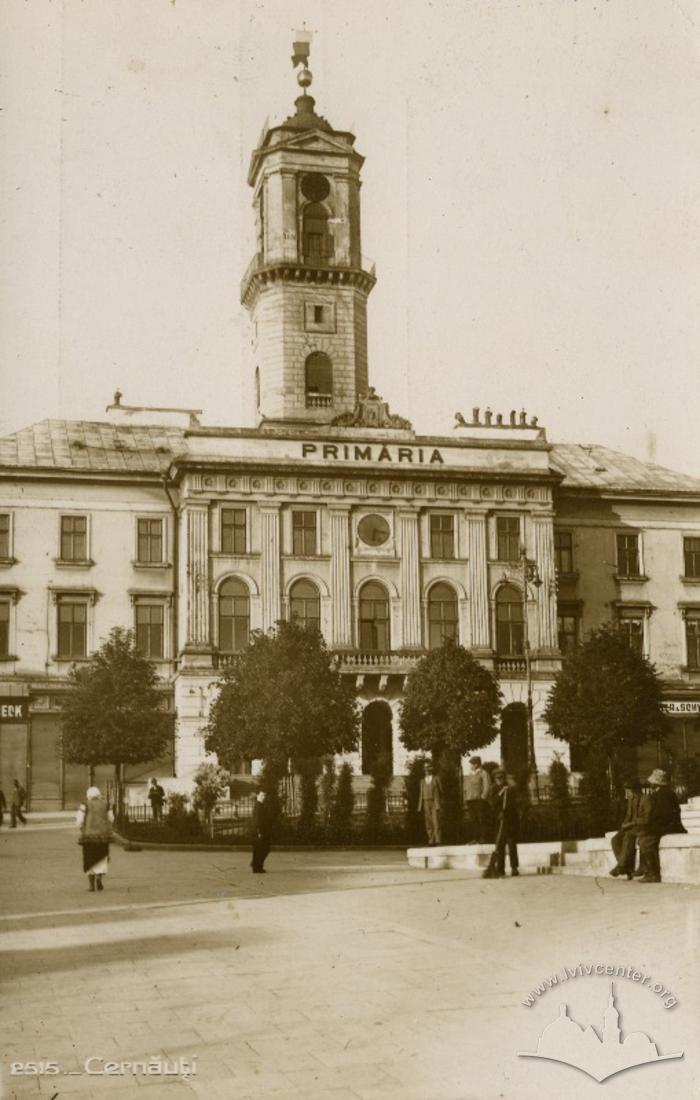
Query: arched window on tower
[442, 615]
[319, 381]
[234, 616]
[305, 605]
[373, 622]
[510, 624]
[317, 242]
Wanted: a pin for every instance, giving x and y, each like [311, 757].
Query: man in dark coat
[262, 832]
[661, 814]
[624, 843]
[504, 802]
[156, 796]
[18, 799]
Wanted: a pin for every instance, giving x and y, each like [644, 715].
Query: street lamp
[531, 576]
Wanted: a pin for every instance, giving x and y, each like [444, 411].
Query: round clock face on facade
[373, 530]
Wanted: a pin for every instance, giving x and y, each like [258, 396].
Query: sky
[530, 198]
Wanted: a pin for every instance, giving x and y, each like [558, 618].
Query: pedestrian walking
[19, 797]
[504, 801]
[94, 819]
[430, 802]
[624, 842]
[3, 805]
[476, 791]
[661, 814]
[262, 833]
[156, 796]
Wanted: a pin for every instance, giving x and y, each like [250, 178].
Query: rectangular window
[442, 536]
[233, 530]
[568, 630]
[691, 557]
[149, 549]
[507, 538]
[150, 621]
[631, 622]
[73, 538]
[318, 315]
[304, 534]
[4, 535]
[564, 551]
[72, 628]
[4, 628]
[628, 563]
[692, 638]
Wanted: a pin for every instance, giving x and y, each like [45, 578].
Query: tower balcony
[261, 272]
[319, 400]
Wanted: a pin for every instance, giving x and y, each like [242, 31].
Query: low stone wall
[680, 857]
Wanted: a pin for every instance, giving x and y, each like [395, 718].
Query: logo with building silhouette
[600, 1056]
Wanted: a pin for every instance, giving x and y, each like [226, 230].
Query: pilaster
[270, 564]
[195, 521]
[543, 530]
[341, 600]
[410, 587]
[477, 572]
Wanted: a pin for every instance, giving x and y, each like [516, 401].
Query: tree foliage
[282, 698]
[607, 697]
[451, 703]
[211, 784]
[343, 804]
[114, 714]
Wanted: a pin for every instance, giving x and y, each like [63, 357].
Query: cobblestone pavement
[340, 975]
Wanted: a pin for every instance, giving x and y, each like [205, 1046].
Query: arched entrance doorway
[376, 735]
[514, 740]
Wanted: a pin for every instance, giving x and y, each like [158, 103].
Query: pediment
[314, 141]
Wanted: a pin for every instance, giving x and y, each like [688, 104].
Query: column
[543, 530]
[341, 603]
[196, 568]
[409, 583]
[478, 581]
[270, 563]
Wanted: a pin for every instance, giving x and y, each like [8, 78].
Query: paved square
[338, 974]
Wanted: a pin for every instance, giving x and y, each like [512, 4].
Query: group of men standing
[491, 803]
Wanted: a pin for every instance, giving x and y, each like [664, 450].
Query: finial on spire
[302, 49]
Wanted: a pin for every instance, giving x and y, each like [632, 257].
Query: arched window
[317, 242]
[305, 605]
[234, 616]
[376, 736]
[442, 615]
[374, 635]
[319, 379]
[510, 626]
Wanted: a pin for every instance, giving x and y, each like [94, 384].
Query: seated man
[660, 815]
[624, 843]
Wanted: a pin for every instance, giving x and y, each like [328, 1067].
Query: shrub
[343, 805]
[328, 781]
[183, 822]
[376, 797]
[309, 768]
[415, 828]
[211, 783]
[559, 795]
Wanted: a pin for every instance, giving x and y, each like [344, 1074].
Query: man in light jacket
[476, 792]
[430, 802]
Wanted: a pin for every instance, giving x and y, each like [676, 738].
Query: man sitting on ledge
[660, 814]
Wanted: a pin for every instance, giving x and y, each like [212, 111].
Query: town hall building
[335, 511]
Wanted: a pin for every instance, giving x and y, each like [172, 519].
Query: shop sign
[681, 706]
[13, 709]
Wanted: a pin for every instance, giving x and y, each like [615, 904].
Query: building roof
[90, 445]
[98, 446]
[589, 466]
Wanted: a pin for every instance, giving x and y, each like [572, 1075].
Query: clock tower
[307, 285]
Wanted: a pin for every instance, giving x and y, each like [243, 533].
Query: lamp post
[532, 577]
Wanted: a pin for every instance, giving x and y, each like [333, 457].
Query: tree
[606, 700]
[343, 805]
[282, 698]
[451, 703]
[114, 714]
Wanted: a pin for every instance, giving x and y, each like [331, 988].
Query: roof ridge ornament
[371, 411]
[302, 50]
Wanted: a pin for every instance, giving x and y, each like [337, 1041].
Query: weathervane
[302, 49]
